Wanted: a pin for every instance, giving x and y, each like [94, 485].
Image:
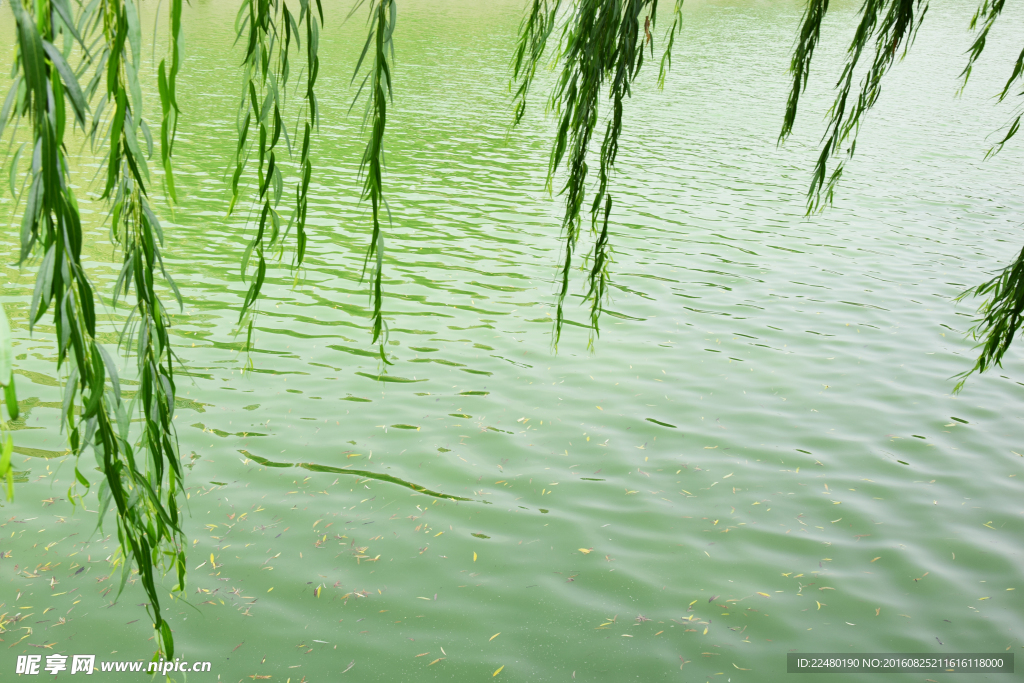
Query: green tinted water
[720, 483]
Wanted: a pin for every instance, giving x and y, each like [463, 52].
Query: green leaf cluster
[886, 29]
[600, 53]
[102, 95]
[271, 30]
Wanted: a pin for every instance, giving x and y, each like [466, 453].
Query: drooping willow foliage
[886, 30]
[380, 48]
[270, 30]
[142, 477]
[78, 63]
[1002, 316]
[601, 49]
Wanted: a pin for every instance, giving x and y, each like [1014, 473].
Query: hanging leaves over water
[106, 36]
[1002, 315]
[108, 109]
[601, 47]
[380, 48]
[270, 29]
[884, 28]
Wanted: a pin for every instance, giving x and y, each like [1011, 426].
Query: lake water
[718, 484]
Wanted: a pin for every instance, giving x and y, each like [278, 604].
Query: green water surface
[762, 454]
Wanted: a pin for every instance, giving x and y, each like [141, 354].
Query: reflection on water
[762, 454]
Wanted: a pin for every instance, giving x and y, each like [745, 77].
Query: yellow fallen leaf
[585, 550]
[705, 631]
[741, 668]
[498, 671]
[819, 604]
[474, 557]
[434, 662]
[600, 408]
[422, 654]
[212, 561]
[764, 594]
[876, 559]
[494, 636]
[270, 589]
[985, 598]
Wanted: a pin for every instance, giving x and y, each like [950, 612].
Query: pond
[761, 455]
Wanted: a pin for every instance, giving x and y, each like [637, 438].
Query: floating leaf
[494, 636]
[498, 671]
